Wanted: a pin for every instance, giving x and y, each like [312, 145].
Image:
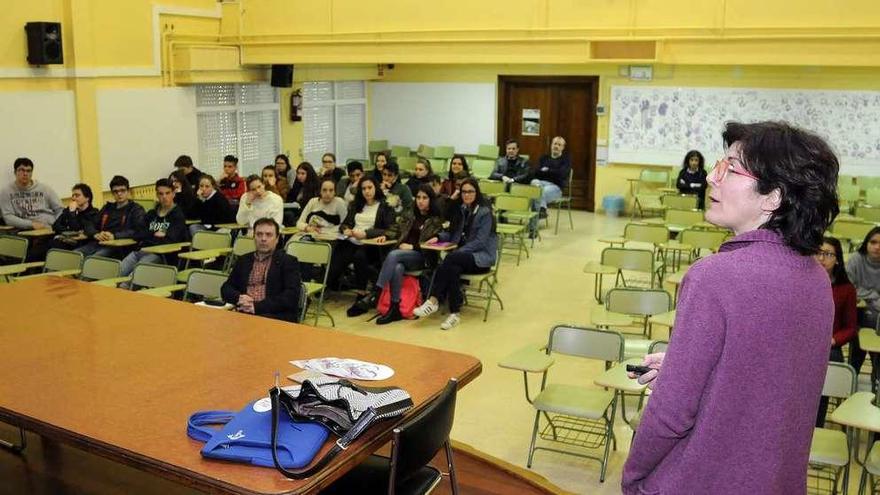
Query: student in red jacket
[231, 184]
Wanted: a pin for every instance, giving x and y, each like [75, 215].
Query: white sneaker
[452, 320]
[427, 308]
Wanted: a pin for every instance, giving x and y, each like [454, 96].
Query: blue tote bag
[246, 436]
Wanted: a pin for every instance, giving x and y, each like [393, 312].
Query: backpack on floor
[410, 297]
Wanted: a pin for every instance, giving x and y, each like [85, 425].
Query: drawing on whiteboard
[657, 125]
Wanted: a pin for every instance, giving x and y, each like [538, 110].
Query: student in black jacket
[421, 176]
[165, 224]
[119, 219]
[212, 207]
[78, 222]
[184, 164]
[368, 218]
[266, 282]
[552, 174]
[184, 195]
[692, 178]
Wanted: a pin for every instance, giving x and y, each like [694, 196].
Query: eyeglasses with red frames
[723, 167]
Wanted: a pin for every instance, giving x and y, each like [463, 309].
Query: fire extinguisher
[296, 106]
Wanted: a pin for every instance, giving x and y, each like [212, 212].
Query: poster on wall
[531, 121]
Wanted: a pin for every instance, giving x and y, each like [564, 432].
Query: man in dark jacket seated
[265, 282]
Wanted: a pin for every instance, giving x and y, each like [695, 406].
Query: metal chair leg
[450, 463]
[534, 436]
[15, 448]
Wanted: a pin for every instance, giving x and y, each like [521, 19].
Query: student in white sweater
[325, 213]
[259, 203]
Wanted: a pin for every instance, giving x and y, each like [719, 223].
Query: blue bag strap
[195, 425]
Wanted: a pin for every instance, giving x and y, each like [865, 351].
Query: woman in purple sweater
[735, 395]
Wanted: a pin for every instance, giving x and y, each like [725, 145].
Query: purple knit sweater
[735, 402]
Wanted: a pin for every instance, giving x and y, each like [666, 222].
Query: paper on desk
[346, 368]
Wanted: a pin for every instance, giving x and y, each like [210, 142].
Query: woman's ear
[772, 201]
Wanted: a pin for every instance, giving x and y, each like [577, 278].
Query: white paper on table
[346, 368]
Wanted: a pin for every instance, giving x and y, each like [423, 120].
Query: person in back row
[185, 196]
[552, 174]
[421, 175]
[476, 253]
[511, 167]
[164, 224]
[267, 281]
[258, 203]
[692, 177]
[283, 168]
[27, 204]
[397, 195]
[232, 185]
[323, 214]
[306, 186]
[78, 222]
[119, 219]
[863, 269]
[275, 181]
[212, 208]
[381, 160]
[185, 165]
[347, 186]
[329, 170]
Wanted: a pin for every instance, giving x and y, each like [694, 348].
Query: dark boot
[364, 303]
[392, 315]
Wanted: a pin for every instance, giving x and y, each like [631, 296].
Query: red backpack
[410, 297]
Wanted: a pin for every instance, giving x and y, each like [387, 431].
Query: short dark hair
[863, 248]
[268, 221]
[331, 155]
[354, 165]
[118, 181]
[164, 183]
[435, 179]
[272, 168]
[838, 273]
[230, 159]
[802, 167]
[392, 167]
[252, 178]
[85, 190]
[22, 162]
[687, 158]
[183, 161]
[511, 141]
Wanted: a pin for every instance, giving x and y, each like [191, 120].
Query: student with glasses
[329, 170]
[830, 256]
[118, 219]
[477, 252]
[863, 268]
[735, 396]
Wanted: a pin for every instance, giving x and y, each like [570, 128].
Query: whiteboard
[40, 125]
[142, 131]
[658, 125]
[431, 113]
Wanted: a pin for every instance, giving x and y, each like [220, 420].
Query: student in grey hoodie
[27, 204]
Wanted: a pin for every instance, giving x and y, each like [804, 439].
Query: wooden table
[126, 371]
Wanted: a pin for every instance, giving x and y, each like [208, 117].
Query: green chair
[399, 151]
[848, 196]
[638, 303]
[315, 253]
[491, 187]
[407, 165]
[153, 275]
[830, 448]
[204, 284]
[375, 146]
[443, 152]
[425, 151]
[60, 263]
[488, 152]
[629, 266]
[680, 201]
[646, 195]
[869, 213]
[482, 287]
[534, 195]
[99, 268]
[242, 246]
[582, 417]
[852, 231]
[656, 346]
[211, 244]
[872, 197]
[482, 169]
[563, 202]
[13, 252]
[700, 239]
[515, 210]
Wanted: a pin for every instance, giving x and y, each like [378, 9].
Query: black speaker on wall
[282, 76]
[44, 43]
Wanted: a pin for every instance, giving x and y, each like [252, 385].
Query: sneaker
[452, 320]
[427, 308]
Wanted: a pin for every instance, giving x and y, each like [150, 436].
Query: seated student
[692, 177]
[441, 199]
[476, 253]
[184, 195]
[397, 195]
[265, 282]
[27, 204]
[232, 185]
[347, 186]
[863, 269]
[421, 175]
[212, 208]
[305, 187]
[185, 165]
[511, 167]
[283, 169]
[830, 256]
[323, 214]
[118, 219]
[259, 203]
[552, 174]
[78, 222]
[165, 224]
[329, 170]
[274, 181]
[416, 229]
[368, 217]
[458, 172]
[382, 159]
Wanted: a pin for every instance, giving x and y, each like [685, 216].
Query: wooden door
[533, 110]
